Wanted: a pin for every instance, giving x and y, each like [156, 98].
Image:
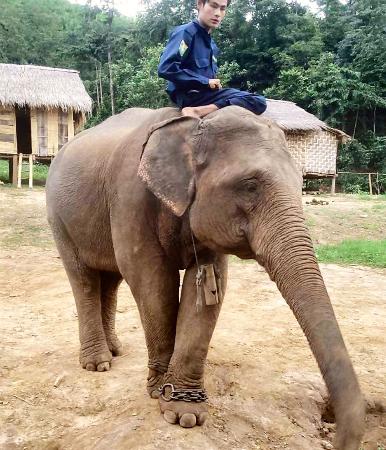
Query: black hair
[205, 1]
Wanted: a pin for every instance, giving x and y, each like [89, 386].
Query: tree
[364, 44]
[327, 89]
[333, 23]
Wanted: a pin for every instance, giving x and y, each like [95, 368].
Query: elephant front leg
[186, 368]
[155, 286]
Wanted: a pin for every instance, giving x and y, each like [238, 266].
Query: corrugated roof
[47, 87]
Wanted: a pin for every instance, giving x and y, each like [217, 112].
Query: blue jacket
[189, 59]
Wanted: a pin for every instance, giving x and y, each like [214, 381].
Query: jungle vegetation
[331, 62]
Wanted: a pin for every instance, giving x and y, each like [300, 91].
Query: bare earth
[264, 386]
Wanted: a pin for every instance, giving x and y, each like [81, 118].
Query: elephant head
[233, 173]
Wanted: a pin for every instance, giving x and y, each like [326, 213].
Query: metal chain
[194, 249]
[184, 395]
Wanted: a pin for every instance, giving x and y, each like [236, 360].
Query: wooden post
[333, 185]
[31, 172]
[19, 167]
[370, 187]
[377, 185]
[10, 169]
[13, 173]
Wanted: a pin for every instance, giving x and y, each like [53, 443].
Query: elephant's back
[85, 177]
[123, 132]
[87, 172]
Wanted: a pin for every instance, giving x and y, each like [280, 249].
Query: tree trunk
[111, 81]
[356, 123]
[97, 84]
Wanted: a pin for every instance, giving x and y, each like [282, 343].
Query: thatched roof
[42, 87]
[290, 117]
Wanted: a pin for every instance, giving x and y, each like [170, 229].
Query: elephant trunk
[285, 250]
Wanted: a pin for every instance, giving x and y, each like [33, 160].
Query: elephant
[149, 192]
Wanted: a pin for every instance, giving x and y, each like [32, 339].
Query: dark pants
[221, 98]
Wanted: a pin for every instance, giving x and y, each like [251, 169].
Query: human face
[211, 13]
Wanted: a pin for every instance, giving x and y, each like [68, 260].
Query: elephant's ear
[167, 164]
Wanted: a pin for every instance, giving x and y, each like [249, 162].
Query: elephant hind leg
[86, 287]
[95, 354]
[110, 282]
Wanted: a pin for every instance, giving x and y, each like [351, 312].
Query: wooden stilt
[377, 185]
[370, 187]
[31, 172]
[10, 169]
[14, 170]
[333, 185]
[19, 170]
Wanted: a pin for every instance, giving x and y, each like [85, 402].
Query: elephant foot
[96, 362]
[154, 382]
[185, 413]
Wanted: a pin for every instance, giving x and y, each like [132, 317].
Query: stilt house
[41, 108]
[312, 143]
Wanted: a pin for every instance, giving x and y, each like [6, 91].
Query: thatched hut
[41, 108]
[312, 143]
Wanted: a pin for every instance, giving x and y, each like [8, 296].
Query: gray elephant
[136, 197]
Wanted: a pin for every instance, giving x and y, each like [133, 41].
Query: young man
[189, 64]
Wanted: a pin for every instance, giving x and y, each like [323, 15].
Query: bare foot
[190, 112]
[198, 111]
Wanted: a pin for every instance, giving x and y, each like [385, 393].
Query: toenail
[155, 393]
[170, 416]
[90, 366]
[188, 420]
[105, 366]
[202, 418]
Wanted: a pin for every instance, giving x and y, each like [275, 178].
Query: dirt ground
[264, 386]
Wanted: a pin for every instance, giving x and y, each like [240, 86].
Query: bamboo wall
[314, 152]
[52, 131]
[7, 130]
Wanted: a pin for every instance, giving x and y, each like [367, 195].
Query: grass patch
[40, 173]
[365, 196]
[26, 236]
[310, 222]
[379, 207]
[365, 253]
[236, 259]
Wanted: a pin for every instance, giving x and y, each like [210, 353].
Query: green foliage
[139, 83]
[367, 253]
[332, 64]
[40, 173]
[364, 44]
[326, 89]
[161, 17]
[228, 71]
[369, 153]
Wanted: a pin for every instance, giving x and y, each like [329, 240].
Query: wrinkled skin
[117, 213]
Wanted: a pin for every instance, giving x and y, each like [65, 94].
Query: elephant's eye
[249, 186]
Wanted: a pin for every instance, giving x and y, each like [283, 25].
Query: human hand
[215, 83]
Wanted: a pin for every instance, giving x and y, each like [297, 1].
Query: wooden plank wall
[52, 118]
[71, 131]
[8, 142]
[52, 131]
[34, 131]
